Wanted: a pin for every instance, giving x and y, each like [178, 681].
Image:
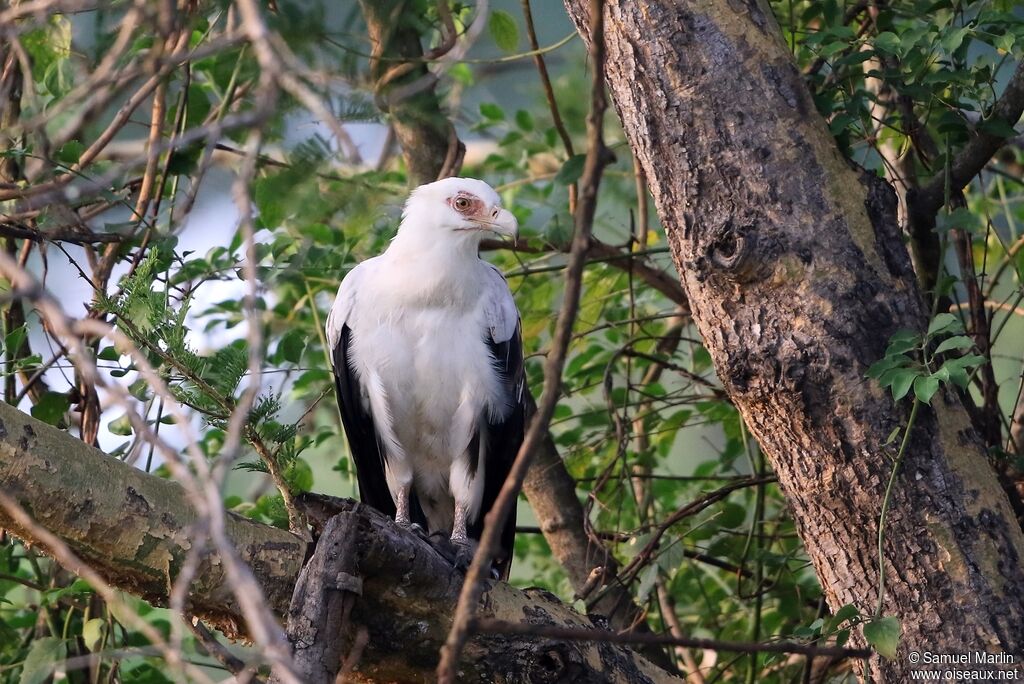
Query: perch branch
[135, 531]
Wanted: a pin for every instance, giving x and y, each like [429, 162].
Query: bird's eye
[461, 203]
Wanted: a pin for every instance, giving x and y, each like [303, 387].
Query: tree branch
[134, 530]
[976, 154]
[405, 91]
[497, 627]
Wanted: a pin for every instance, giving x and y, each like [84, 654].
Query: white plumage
[425, 321]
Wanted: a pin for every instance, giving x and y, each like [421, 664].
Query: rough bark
[405, 595]
[794, 266]
[134, 529]
[326, 590]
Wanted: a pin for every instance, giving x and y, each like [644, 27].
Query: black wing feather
[363, 440]
[501, 444]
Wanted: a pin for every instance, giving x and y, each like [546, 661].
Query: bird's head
[464, 207]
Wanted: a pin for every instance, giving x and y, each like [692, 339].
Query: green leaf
[886, 379]
[524, 120]
[952, 40]
[70, 152]
[491, 111]
[966, 362]
[944, 322]
[292, 345]
[846, 612]
[884, 364]
[956, 342]
[42, 658]
[884, 635]
[121, 426]
[953, 373]
[902, 381]
[925, 387]
[892, 435]
[887, 42]
[461, 73]
[108, 354]
[571, 170]
[51, 407]
[92, 632]
[503, 30]
[733, 515]
[16, 338]
[902, 341]
[300, 476]
[647, 580]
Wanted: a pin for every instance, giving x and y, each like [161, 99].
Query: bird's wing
[363, 438]
[502, 435]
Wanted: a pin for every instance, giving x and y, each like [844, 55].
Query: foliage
[644, 426]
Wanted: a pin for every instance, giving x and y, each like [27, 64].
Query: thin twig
[549, 95]
[597, 158]
[686, 511]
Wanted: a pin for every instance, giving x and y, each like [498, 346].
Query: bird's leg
[459, 535]
[402, 506]
[464, 547]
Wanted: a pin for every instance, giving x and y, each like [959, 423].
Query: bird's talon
[464, 549]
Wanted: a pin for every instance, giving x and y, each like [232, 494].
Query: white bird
[428, 366]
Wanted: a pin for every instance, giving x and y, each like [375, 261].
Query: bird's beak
[502, 222]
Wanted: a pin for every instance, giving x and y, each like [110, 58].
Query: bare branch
[551, 632]
[597, 157]
[75, 237]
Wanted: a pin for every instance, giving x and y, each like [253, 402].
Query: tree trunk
[797, 276]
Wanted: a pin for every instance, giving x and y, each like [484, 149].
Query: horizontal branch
[664, 282]
[596, 635]
[75, 237]
[601, 252]
[135, 530]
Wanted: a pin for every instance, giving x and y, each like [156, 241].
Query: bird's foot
[465, 549]
[458, 552]
[415, 528]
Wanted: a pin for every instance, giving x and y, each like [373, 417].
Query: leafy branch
[208, 384]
